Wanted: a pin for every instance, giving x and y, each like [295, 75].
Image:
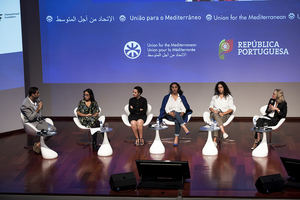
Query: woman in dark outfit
[88, 113]
[137, 117]
[276, 110]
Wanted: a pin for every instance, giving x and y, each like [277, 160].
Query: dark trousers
[261, 122]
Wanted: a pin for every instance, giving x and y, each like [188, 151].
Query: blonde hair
[279, 95]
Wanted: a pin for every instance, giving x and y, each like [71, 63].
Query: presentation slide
[100, 41]
[11, 56]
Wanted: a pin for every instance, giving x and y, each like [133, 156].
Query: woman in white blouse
[221, 107]
[175, 108]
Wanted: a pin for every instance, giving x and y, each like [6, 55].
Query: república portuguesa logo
[261, 48]
[225, 46]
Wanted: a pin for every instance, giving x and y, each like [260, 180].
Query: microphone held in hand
[39, 117]
[38, 100]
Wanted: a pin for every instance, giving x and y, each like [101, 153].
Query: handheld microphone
[39, 117]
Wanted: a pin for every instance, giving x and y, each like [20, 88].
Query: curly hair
[226, 89]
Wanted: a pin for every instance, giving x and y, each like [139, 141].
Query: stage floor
[79, 171]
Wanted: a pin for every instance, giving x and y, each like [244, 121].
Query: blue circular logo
[122, 18]
[132, 50]
[208, 17]
[292, 16]
[49, 18]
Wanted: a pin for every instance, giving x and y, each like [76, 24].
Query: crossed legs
[179, 123]
[220, 120]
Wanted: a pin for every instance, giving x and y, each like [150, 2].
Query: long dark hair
[226, 89]
[90, 91]
[180, 92]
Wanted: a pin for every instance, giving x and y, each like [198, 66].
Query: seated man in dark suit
[31, 109]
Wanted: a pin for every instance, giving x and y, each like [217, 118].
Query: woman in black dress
[137, 117]
[276, 110]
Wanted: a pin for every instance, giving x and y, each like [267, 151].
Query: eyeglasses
[86, 95]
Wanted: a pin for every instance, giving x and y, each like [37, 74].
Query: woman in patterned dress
[88, 113]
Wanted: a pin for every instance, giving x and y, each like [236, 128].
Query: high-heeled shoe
[137, 142]
[176, 144]
[142, 142]
[176, 139]
[254, 145]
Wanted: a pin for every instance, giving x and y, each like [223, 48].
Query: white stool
[209, 148]
[105, 148]
[46, 152]
[157, 146]
[262, 149]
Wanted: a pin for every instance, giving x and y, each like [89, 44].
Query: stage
[78, 171]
